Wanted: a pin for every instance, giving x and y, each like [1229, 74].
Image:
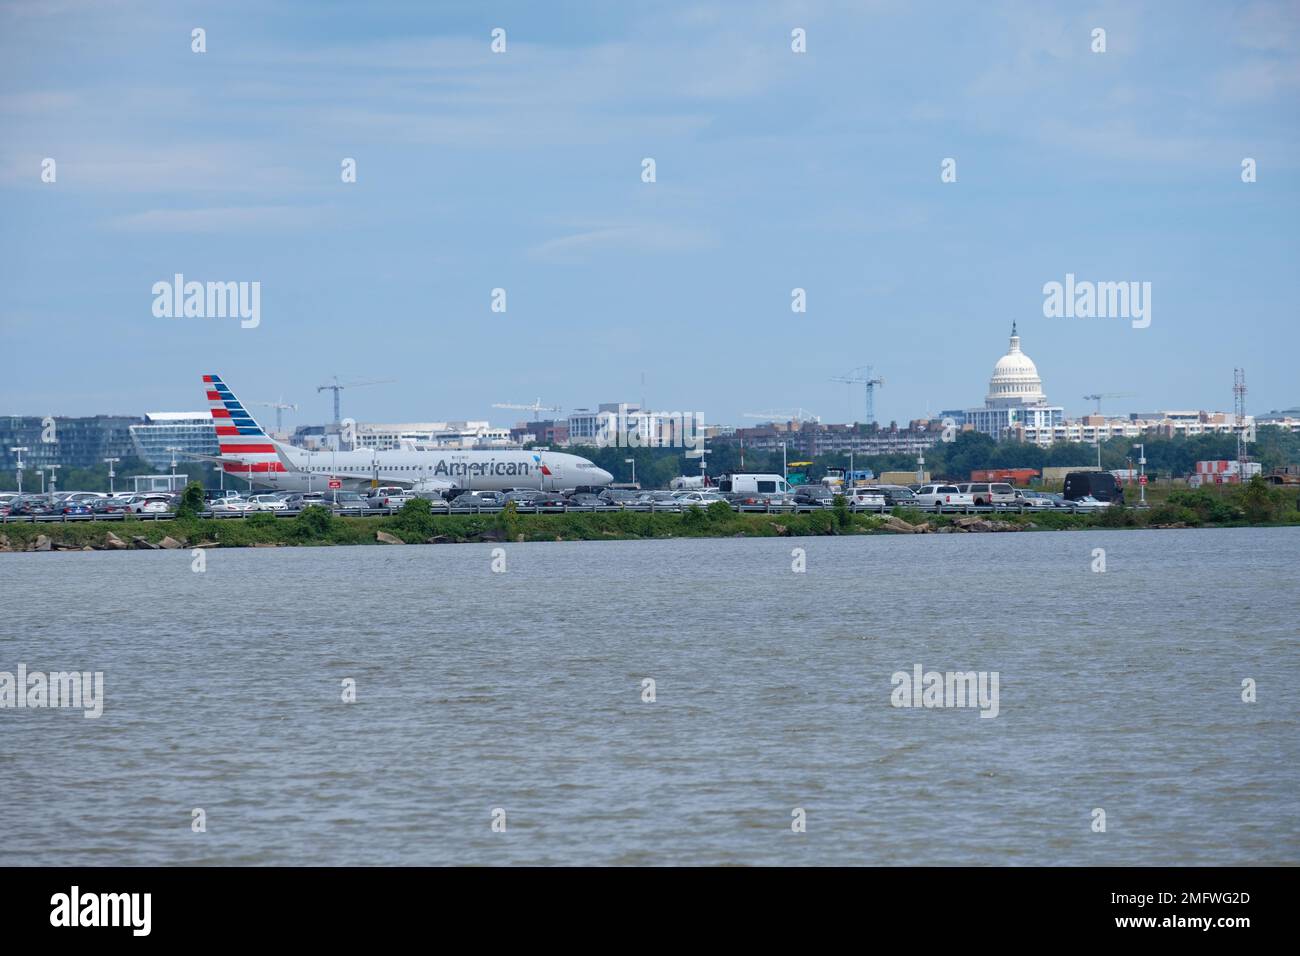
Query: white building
[1015, 399]
[458, 434]
[188, 432]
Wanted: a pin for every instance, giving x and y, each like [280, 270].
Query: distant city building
[811, 438]
[459, 434]
[70, 442]
[547, 432]
[1091, 429]
[192, 433]
[629, 425]
[1015, 399]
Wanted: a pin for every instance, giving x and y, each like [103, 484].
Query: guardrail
[576, 509]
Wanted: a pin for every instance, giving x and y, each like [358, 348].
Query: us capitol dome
[1015, 379]
[1015, 399]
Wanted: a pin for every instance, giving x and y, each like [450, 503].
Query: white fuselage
[432, 470]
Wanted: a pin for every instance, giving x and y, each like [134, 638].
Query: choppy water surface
[523, 691]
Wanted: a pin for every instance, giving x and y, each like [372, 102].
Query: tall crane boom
[336, 386]
[867, 380]
[280, 407]
[1098, 396]
[535, 407]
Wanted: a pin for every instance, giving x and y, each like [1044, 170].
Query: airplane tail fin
[245, 447]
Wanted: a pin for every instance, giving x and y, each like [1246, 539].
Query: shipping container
[1012, 476]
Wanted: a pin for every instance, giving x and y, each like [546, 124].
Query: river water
[518, 696]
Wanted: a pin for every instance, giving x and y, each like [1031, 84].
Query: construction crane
[785, 415]
[280, 407]
[1100, 395]
[867, 380]
[536, 408]
[336, 386]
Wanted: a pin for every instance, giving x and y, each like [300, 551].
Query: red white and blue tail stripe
[245, 447]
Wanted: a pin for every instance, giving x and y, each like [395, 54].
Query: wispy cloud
[221, 219]
[656, 238]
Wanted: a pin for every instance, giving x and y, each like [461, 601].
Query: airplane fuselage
[436, 470]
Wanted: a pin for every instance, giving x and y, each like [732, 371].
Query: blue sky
[522, 171]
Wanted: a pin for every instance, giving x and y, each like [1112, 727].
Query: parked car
[620, 496]
[70, 507]
[814, 496]
[266, 502]
[897, 495]
[31, 505]
[1088, 503]
[866, 498]
[479, 499]
[86, 497]
[347, 501]
[393, 499]
[939, 497]
[230, 506]
[522, 498]
[705, 498]
[988, 493]
[587, 501]
[305, 499]
[149, 504]
[1043, 499]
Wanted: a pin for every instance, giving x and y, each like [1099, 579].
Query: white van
[754, 485]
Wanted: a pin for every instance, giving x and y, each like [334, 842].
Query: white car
[266, 502]
[394, 500]
[939, 497]
[701, 499]
[230, 506]
[149, 504]
[989, 493]
[1089, 503]
[865, 498]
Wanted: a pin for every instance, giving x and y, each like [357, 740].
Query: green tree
[1260, 503]
[192, 502]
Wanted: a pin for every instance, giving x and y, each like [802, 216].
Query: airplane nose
[605, 477]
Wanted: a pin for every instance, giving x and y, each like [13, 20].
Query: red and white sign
[1142, 480]
[335, 483]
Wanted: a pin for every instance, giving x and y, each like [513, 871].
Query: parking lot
[159, 506]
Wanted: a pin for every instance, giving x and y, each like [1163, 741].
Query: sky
[523, 170]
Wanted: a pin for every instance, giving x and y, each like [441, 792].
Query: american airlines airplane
[249, 452]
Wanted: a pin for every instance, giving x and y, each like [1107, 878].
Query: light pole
[41, 472]
[783, 468]
[1142, 472]
[111, 473]
[19, 452]
[54, 478]
[632, 462]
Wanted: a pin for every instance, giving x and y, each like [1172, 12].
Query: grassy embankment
[1252, 505]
